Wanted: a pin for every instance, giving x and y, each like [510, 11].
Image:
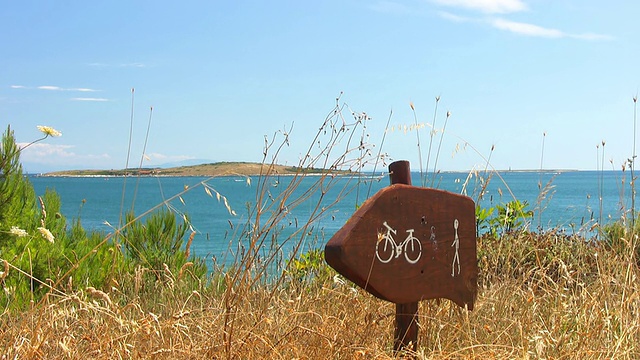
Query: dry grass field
[541, 296]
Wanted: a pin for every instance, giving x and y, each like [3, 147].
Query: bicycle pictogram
[411, 246]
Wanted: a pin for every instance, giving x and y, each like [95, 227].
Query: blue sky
[220, 75]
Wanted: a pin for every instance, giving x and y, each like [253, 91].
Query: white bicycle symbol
[411, 247]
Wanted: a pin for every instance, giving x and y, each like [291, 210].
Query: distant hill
[188, 162]
[213, 169]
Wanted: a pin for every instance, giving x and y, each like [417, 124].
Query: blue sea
[570, 202]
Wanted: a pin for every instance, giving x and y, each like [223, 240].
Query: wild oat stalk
[432, 133]
[632, 163]
[126, 166]
[415, 119]
[142, 157]
[435, 165]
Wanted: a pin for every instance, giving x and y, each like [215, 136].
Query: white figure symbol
[411, 246]
[456, 243]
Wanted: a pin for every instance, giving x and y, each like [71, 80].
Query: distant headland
[212, 169]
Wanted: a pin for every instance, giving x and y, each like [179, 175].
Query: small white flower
[49, 131]
[18, 232]
[46, 234]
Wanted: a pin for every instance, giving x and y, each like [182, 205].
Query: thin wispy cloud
[454, 18]
[121, 65]
[158, 158]
[487, 6]
[500, 23]
[89, 99]
[44, 153]
[527, 29]
[53, 88]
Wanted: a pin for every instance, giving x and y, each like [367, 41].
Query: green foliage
[310, 267]
[622, 238]
[510, 217]
[17, 197]
[158, 243]
[46, 255]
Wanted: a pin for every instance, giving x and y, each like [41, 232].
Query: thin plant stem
[632, 164]
[415, 118]
[544, 135]
[433, 129]
[601, 189]
[375, 164]
[126, 166]
[435, 165]
[144, 153]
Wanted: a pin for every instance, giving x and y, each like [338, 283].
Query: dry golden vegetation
[542, 296]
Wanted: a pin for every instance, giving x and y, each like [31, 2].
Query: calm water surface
[572, 202]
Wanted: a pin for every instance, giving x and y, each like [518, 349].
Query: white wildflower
[46, 234]
[18, 232]
[49, 131]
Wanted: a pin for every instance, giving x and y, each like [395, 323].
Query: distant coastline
[212, 169]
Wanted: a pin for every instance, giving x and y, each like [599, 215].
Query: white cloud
[452, 17]
[522, 28]
[157, 158]
[526, 29]
[539, 31]
[88, 99]
[55, 154]
[48, 87]
[54, 88]
[132, 64]
[487, 6]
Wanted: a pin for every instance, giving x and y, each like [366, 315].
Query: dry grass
[553, 309]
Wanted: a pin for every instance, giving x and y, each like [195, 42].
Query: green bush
[40, 253]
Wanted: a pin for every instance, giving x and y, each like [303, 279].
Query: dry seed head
[183, 268]
[43, 210]
[98, 294]
[4, 274]
[411, 105]
[188, 247]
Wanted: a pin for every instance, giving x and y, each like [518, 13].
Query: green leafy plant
[157, 244]
[509, 217]
[310, 267]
